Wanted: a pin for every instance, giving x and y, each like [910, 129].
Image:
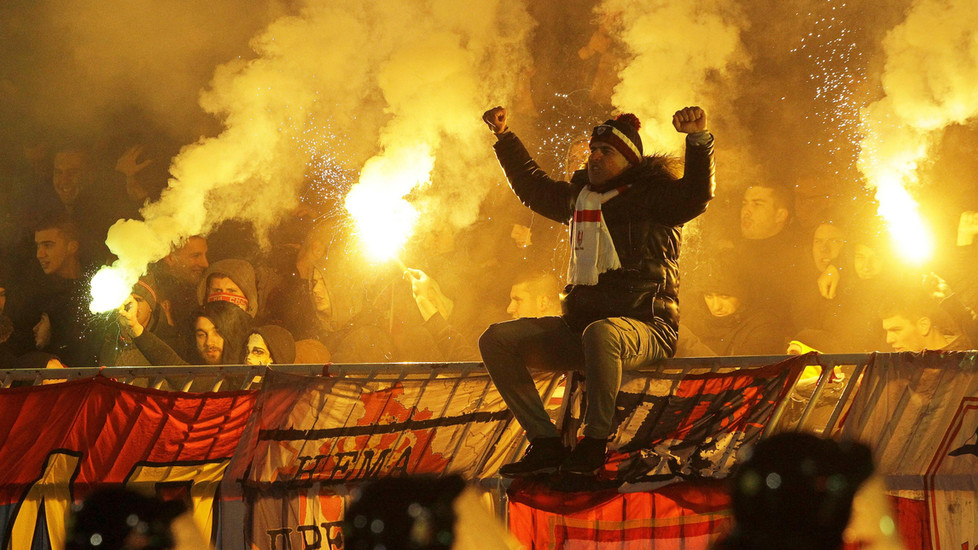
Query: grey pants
[510, 349]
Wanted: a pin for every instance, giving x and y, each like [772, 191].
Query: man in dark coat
[621, 306]
[56, 306]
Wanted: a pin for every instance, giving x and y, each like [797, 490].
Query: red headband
[148, 288]
[239, 301]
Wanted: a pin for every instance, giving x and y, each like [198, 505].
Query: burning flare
[914, 241]
[314, 95]
[930, 76]
[110, 288]
[384, 219]
[137, 244]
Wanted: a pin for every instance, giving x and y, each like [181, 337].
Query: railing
[231, 377]
[815, 406]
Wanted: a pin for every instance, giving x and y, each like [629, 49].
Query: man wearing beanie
[733, 325]
[118, 348]
[620, 306]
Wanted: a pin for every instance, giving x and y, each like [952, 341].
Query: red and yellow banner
[314, 438]
[682, 516]
[271, 468]
[59, 442]
[676, 434]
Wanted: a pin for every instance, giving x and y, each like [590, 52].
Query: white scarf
[592, 250]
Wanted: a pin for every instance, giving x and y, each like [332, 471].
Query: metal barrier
[815, 404]
[231, 377]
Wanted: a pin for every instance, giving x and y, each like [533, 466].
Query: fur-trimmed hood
[656, 167]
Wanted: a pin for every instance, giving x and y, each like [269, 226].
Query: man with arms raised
[620, 308]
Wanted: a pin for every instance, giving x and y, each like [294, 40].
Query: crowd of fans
[214, 299]
[835, 285]
[774, 285]
[783, 282]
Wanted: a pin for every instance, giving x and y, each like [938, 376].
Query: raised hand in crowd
[428, 295]
[496, 119]
[127, 318]
[967, 228]
[42, 332]
[936, 286]
[689, 120]
[828, 282]
[129, 164]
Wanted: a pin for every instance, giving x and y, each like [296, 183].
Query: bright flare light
[912, 239]
[383, 223]
[384, 219]
[110, 288]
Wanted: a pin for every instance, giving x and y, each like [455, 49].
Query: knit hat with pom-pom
[622, 134]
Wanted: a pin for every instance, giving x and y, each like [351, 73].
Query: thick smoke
[675, 53]
[69, 66]
[319, 93]
[367, 85]
[929, 79]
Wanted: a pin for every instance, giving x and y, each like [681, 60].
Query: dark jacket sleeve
[291, 305]
[679, 201]
[451, 344]
[545, 196]
[962, 316]
[759, 336]
[156, 351]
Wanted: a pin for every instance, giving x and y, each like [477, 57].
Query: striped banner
[919, 413]
[312, 439]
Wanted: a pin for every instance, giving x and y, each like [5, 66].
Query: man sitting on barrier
[620, 308]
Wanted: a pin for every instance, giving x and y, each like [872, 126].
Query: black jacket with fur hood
[645, 223]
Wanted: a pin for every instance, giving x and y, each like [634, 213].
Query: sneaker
[587, 458]
[543, 456]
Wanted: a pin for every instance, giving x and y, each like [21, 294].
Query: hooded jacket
[241, 273]
[281, 344]
[645, 223]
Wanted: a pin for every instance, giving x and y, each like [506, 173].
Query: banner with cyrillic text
[312, 439]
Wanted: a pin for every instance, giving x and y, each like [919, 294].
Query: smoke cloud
[316, 93]
[364, 85]
[929, 79]
[72, 66]
[675, 53]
